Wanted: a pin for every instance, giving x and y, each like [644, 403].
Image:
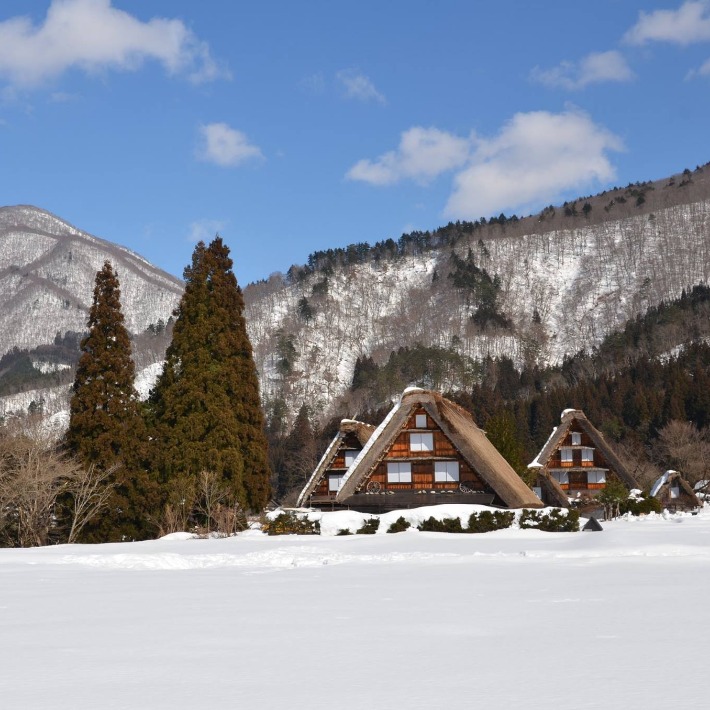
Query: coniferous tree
[105, 427]
[205, 408]
[299, 457]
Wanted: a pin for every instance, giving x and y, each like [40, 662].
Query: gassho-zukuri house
[427, 451]
[576, 463]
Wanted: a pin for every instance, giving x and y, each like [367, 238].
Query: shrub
[399, 525]
[288, 523]
[640, 506]
[447, 525]
[486, 520]
[343, 531]
[554, 521]
[369, 527]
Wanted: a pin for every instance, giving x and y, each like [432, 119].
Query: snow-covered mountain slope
[47, 272]
[583, 281]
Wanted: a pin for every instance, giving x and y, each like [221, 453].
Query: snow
[660, 482]
[513, 619]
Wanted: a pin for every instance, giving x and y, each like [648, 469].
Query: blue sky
[290, 127]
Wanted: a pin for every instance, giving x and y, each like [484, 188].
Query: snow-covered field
[514, 619]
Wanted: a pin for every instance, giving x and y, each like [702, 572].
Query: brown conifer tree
[205, 408]
[105, 426]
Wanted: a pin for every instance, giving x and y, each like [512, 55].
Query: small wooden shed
[325, 481]
[674, 492]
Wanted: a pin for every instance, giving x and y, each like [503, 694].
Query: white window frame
[576, 438]
[566, 454]
[421, 442]
[420, 421]
[446, 471]
[675, 492]
[337, 479]
[561, 476]
[587, 454]
[399, 472]
[351, 455]
[596, 476]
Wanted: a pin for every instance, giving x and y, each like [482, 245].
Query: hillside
[47, 271]
[534, 289]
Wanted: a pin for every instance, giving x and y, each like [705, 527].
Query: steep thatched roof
[569, 416]
[551, 490]
[458, 425]
[348, 426]
[661, 488]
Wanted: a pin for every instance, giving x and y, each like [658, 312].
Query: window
[566, 454]
[596, 477]
[576, 438]
[446, 471]
[334, 481]
[421, 442]
[399, 473]
[350, 456]
[420, 421]
[561, 476]
[587, 454]
[675, 491]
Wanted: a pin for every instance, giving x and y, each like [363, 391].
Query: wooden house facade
[576, 462]
[428, 451]
[675, 493]
[324, 483]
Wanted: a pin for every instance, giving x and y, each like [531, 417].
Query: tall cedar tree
[105, 426]
[205, 407]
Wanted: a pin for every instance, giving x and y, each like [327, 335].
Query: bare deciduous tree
[685, 448]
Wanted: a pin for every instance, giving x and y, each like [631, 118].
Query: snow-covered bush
[554, 521]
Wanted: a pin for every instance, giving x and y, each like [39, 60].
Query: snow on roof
[373, 438]
[660, 482]
[409, 390]
[566, 411]
[535, 462]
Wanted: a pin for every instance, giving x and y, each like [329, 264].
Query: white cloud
[595, 68]
[423, 154]
[204, 230]
[91, 35]
[535, 158]
[356, 85]
[688, 24]
[222, 145]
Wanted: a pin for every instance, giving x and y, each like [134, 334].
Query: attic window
[334, 481]
[675, 491]
[420, 421]
[596, 477]
[566, 455]
[399, 473]
[587, 454]
[561, 476]
[421, 442]
[350, 456]
[576, 438]
[446, 471]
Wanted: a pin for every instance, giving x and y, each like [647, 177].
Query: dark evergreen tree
[299, 455]
[205, 408]
[105, 426]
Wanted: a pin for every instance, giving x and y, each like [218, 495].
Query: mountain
[535, 290]
[47, 272]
